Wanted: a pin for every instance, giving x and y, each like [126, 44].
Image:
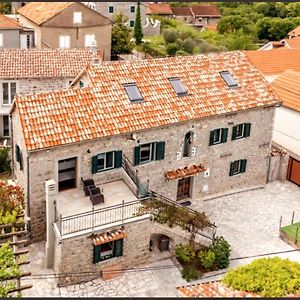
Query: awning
[183, 172]
[109, 236]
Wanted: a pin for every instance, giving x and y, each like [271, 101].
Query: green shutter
[211, 138]
[247, 129]
[96, 256]
[118, 159]
[21, 162]
[231, 169]
[243, 165]
[224, 135]
[118, 248]
[234, 133]
[17, 153]
[160, 151]
[94, 164]
[136, 155]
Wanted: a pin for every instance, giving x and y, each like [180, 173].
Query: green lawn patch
[291, 230]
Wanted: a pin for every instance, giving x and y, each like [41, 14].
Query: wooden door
[293, 173]
[183, 190]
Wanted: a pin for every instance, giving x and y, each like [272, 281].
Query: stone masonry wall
[217, 158]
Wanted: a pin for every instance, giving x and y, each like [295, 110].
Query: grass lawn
[290, 230]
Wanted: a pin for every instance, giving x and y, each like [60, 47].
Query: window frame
[131, 22]
[223, 133]
[132, 9]
[110, 9]
[77, 17]
[97, 249]
[4, 127]
[245, 131]
[237, 167]
[131, 99]
[241, 128]
[9, 93]
[61, 39]
[91, 40]
[180, 86]
[105, 161]
[228, 78]
[1, 40]
[187, 144]
[157, 152]
[151, 146]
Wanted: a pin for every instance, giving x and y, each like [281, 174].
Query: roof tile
[8, 23]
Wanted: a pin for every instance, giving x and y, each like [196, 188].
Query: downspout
[28, 198]
[12, 146]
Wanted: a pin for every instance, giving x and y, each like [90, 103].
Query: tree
[121, 35]
[5, 8]
[137, 31]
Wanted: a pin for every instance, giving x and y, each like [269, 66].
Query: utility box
[163, 244]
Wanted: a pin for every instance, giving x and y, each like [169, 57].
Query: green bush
[190, 273]
[207, 258]
[170, 35]
[185, 253]
[268, 277]
[172, 48]
[221, 249]
[5, 160]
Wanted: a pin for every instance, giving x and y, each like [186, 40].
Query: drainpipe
[28, 197]
[269, 167]
[12, 146]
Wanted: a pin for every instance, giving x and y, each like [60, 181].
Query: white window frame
[5, 136]
[132, 12]
[112, 9]
[130, 23]
[105, 161]
[77, 17]
[64, 41]
[10, 98]
[1, 39]
[89, 39]
[150, 152]
[240, 136]
[215, 142]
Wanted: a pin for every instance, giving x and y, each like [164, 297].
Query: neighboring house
[66, 25]
[12, 35]
[24, 71]
[160, 9]
[286, 133]
[283, 44]
[183, 14]
[294, 33]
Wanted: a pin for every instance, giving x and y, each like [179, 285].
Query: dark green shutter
[94, 164]
[231, 169]
[160, 151]
[118, 248]
[96, 256]
[224, 135]
[247, 129]
[243, 165]
[211, 138]
[136, 155]
[21, 162]
[234, 129]
[17, 153]
[118, 159]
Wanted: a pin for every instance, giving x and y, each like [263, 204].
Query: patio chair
[95, 195]
[87, 183]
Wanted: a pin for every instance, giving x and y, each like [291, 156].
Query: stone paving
[249, 221]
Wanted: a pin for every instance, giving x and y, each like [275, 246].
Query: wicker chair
[95, 195]
[87, 183]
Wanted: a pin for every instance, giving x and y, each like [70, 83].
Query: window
[188, 139]
[218, 136]
[131, 23]
[111, 9]
[132, 9]
[228, 79]
[1, 39]
[64, 41]
[240, 131]
[8, 92]
[106, 161]
[77, 17]
[148, 152]
[179, 88]
[108, 250]
[89, 40]
[237, 167]
[81, 84]
[5, 126]
[133, 92]
[67, 173]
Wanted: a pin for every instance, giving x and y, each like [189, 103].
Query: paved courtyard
[249, 221]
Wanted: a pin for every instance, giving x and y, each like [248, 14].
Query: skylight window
[228, 79]
[179, 88]
[133, 92]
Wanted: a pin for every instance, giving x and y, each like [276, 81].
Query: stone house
[27, 71]
[13, 35]
[170, 127]
[66, 25]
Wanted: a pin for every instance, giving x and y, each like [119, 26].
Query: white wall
[286, 130]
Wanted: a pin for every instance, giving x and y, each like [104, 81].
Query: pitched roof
[182, 11]
[274, 61]
[294, 32]
[45, 63]
[159, 9]
[293, 43]
[8, 23]
[287, 87]
[104, 109]
[206, 10]
[40, 12]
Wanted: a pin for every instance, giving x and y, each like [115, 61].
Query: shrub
[207, 258]
[190, 273]
[185, 253]
[5, 160]
[170, 35]
[172, 48]
[188, 45]
[221, 249]
[268, 277]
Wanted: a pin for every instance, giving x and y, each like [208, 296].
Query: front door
[183, 190]
[67, 173]
[293, 173]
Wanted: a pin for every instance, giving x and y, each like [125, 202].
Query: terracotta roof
[159, 9]
[8, 23]
[295, 32]
[275, 151]
[182, 11]
[212, 289]
[45, 63]
[206, 10]
[273, 62]
[184, 172]
[293, 43]
[287, 87]
[104, 109]
[40, 12]
[109, 236]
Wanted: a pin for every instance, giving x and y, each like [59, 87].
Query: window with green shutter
[108, 250]
[237, 167]
[241, 131]
[106, 161]
[148, 152]
[218, 136]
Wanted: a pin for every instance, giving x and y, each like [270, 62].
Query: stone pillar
[50, 217]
